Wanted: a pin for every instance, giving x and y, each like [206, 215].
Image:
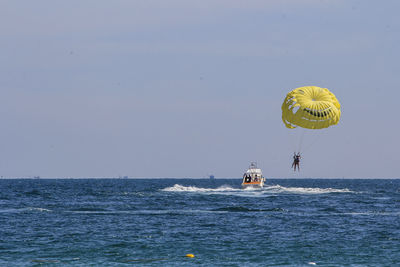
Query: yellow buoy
[190, 255]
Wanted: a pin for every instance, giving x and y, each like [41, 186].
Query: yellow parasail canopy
[310, 107]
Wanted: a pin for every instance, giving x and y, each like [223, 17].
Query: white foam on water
[305, 190]
[38, 209]
[181, 188]
[222, 190]
[24, 209]
[254, 192]
[10, 210]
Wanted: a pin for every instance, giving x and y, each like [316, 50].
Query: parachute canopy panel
[310, 107]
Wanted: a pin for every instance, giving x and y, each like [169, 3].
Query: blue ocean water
[156, 222]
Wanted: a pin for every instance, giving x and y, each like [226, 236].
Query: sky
[178, 88]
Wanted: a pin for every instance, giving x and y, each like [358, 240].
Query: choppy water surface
[157, 222]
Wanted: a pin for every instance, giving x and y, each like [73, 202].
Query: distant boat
[253, 177]
[212, 177]
[36, 177]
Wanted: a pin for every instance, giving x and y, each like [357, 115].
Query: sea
[158, 222]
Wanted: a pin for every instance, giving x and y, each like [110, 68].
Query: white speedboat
[253, 177]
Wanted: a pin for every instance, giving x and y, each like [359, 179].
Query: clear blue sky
[189, 88]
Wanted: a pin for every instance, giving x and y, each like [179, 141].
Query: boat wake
[181, 188]
[304, 190]
[266, 190]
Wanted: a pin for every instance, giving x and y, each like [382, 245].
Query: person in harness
[296, 161]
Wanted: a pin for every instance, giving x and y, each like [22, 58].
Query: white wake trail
[181, 188]
[305, 190]
[273, 189]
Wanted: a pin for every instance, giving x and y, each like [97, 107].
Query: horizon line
[195, 178]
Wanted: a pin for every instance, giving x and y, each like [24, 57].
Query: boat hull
[253, 184]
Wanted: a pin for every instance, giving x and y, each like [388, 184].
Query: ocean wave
[100, 212]
[38, 209]
[33, 192]
[24, 210]
[90, 209]
[147, 212]
[244, 209]
[373, 213]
